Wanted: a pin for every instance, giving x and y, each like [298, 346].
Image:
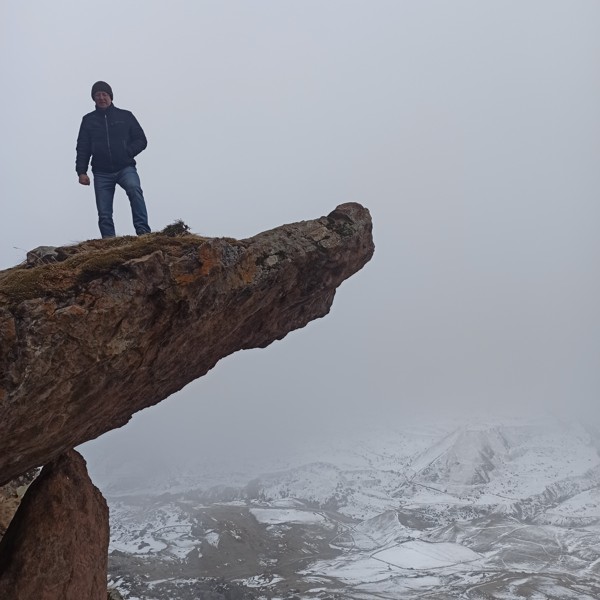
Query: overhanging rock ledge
[119, 325]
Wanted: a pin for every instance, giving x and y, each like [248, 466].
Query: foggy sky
[470, 129]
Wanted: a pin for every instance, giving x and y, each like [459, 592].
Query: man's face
[102, 100]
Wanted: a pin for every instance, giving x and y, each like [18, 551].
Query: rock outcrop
[57, 544]
[119, 325]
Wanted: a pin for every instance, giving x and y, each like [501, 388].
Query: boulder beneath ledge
[118, 325]
[56, 546]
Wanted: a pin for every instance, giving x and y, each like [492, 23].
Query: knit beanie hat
[102, 86]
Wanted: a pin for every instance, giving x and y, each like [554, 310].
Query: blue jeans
[104, 186]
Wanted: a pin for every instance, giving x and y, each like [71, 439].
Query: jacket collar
[107, 111]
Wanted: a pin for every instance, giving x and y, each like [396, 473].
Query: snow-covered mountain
[496, 509]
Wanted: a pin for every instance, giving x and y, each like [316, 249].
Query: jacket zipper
[108, 139]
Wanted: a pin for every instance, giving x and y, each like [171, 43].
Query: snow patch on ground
[426, 555]
[260, 581]
[170, 532]
[270, 516]
[213, 538]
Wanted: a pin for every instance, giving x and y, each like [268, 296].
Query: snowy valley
[500, 509]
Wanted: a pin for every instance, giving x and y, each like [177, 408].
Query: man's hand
[84, 179]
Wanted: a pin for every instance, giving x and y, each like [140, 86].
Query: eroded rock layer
[119, 325]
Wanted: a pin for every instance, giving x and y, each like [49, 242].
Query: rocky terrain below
[500, 510]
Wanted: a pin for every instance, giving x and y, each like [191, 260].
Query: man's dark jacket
[112, 137]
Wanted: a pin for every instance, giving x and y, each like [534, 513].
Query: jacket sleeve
[137, 138]
[83, 149]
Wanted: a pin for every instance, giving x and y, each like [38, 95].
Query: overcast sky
[470, 129]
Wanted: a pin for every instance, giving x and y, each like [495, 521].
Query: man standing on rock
[112, 137]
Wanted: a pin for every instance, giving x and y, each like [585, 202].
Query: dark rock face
[57, 544]
[117, 326]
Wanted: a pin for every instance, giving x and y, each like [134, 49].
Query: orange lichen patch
[210, 258]
[8, 330]
[185, 278]
[182, 273]
[247, 269]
